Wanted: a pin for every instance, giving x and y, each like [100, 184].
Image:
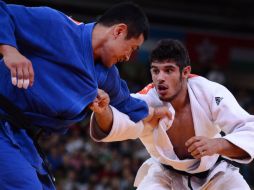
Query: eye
[168, 71]
[155, 71]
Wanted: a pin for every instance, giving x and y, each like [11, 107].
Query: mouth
[162, 89]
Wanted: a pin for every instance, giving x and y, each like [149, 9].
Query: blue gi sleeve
[120, 97]
[7, 27]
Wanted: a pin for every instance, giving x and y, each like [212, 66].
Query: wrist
[6, 49]
[220, 144]
[103, 111]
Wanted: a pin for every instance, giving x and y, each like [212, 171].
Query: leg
[15, 171]
[160, 178]
[230, 180]
[155, 179]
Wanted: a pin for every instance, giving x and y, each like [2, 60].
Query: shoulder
[203, 83]
[45, 13]
[206, 89]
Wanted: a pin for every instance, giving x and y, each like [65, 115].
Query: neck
[182, 99]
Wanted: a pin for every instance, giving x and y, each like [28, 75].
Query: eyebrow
[165, 67]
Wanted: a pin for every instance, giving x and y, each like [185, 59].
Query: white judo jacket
[214, 109]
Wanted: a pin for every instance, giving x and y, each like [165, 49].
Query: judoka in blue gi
[51, 69]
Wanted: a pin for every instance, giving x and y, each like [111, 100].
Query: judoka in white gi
[187, 151]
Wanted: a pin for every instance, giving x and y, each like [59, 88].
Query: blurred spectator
[74, 143]
[216, 74]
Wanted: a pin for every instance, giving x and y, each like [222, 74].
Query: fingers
[169, 114]
[20, 67]
[150, 114]
[197, 149]
[161, 112]
[192, 140]
[197, 146]
[155, 114]
[14, 81]
[103, 98]
[101, 102]
[94, 106]
[20, 77]
[22, 74]
[198, 153]
[30, 74]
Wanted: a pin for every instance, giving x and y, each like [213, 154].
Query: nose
[160, 76]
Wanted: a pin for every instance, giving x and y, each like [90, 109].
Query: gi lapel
[203, 126]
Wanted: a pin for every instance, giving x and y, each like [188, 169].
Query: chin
[108, 64]
[165, 99]
[162, 98]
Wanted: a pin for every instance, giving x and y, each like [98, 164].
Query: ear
[120, 30]
[186, 71]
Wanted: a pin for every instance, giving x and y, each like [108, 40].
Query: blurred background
[219, 35]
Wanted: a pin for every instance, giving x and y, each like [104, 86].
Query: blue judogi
[66, 82]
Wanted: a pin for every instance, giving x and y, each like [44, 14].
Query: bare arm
[22, 73]
[104, 115]
[203, 146]
[102, 111]
[227, 148]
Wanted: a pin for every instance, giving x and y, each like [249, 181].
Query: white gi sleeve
[123, 128]
[234, 121]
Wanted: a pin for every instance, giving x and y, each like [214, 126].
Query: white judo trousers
[223, 176]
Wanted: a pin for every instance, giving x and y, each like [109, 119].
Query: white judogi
[214, 109]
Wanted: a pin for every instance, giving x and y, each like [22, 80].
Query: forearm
[104, 119]
[123, 128]
[226, 148]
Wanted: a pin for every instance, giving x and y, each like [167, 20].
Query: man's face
[119, 49]
[167, 79]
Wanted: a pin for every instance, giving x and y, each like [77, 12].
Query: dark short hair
[131, 15]
[170, 50]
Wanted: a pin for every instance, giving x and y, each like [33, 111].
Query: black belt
[18, 120]
[201, 175]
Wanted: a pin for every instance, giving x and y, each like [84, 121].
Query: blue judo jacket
[66, 76]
